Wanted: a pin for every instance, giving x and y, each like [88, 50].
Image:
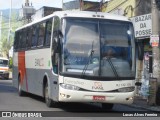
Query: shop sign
[142, 25]
[154, 40]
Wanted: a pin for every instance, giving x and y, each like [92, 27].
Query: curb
[150, 108]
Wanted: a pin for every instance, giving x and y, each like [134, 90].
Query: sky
[5, 4]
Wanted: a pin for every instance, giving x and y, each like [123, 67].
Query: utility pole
[81, 5]
[155, 53]
[10, 13]
[101, 4]
[0, 25]
[62, 5]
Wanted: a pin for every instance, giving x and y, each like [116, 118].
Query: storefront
[143, 31]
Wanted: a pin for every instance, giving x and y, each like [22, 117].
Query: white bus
[63, 58]
[4, 68]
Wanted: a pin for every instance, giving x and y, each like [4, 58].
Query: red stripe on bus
[22, 68]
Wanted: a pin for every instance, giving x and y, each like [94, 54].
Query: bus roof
[82, 14]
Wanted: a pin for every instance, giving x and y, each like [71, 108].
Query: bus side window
[23, 42]
[48, 33]
[20, 39]
[29, 40]
[16, 38]
[41, 34]
[56, 28]
[27, 32]
[34, 35]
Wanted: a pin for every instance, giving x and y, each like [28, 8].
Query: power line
[131, 7]
[118, 6]
[123, 3]
[137, 4]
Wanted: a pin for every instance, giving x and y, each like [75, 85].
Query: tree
[6, 46]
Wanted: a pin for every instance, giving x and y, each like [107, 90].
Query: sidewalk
[139, 102]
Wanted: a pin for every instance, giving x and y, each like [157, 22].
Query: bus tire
[48, 101]
[20, 91]
[7, 76]
[107, 106]
[158, 96]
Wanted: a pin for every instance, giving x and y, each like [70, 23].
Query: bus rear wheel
[48, 101]
[107, 106]
[20, 91]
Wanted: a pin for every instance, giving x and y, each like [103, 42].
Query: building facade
[44, 11]
[135, 9]
[82, 5]
[120, 7]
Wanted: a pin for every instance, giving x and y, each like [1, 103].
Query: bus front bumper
[100, 97]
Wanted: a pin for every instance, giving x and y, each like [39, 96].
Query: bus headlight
[69, 87]
[126, 89]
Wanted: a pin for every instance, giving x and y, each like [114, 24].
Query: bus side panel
[30, 70]
[54, 87]
[38, 64]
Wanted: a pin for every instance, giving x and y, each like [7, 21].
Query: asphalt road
[10, 101]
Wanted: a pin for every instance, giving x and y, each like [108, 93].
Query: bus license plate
[100, 98]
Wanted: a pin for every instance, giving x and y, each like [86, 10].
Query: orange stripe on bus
[22, 67]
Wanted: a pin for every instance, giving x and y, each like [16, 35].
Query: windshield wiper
[89, 58]
[112, 67]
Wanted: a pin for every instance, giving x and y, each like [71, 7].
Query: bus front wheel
[158, 96]
[48, 101]
[107, 106]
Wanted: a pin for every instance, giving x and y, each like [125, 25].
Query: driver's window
[55, 31]
[55, 45]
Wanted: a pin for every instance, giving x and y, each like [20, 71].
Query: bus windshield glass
[3, 63]
[96, 47]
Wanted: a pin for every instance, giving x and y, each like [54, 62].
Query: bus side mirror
[140, 48]
[56, 45]
[138, 83]
[57, 39]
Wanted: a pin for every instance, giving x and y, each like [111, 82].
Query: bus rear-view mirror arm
[57, 45]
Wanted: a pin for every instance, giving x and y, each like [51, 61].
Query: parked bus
[63, 58]
[4, 68]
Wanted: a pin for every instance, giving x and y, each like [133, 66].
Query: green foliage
[10, 62]
[5, 44]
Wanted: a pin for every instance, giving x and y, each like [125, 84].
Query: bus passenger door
[55, 76]
[55, 56]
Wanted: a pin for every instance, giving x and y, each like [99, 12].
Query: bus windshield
[3, 63]
[102, 48]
